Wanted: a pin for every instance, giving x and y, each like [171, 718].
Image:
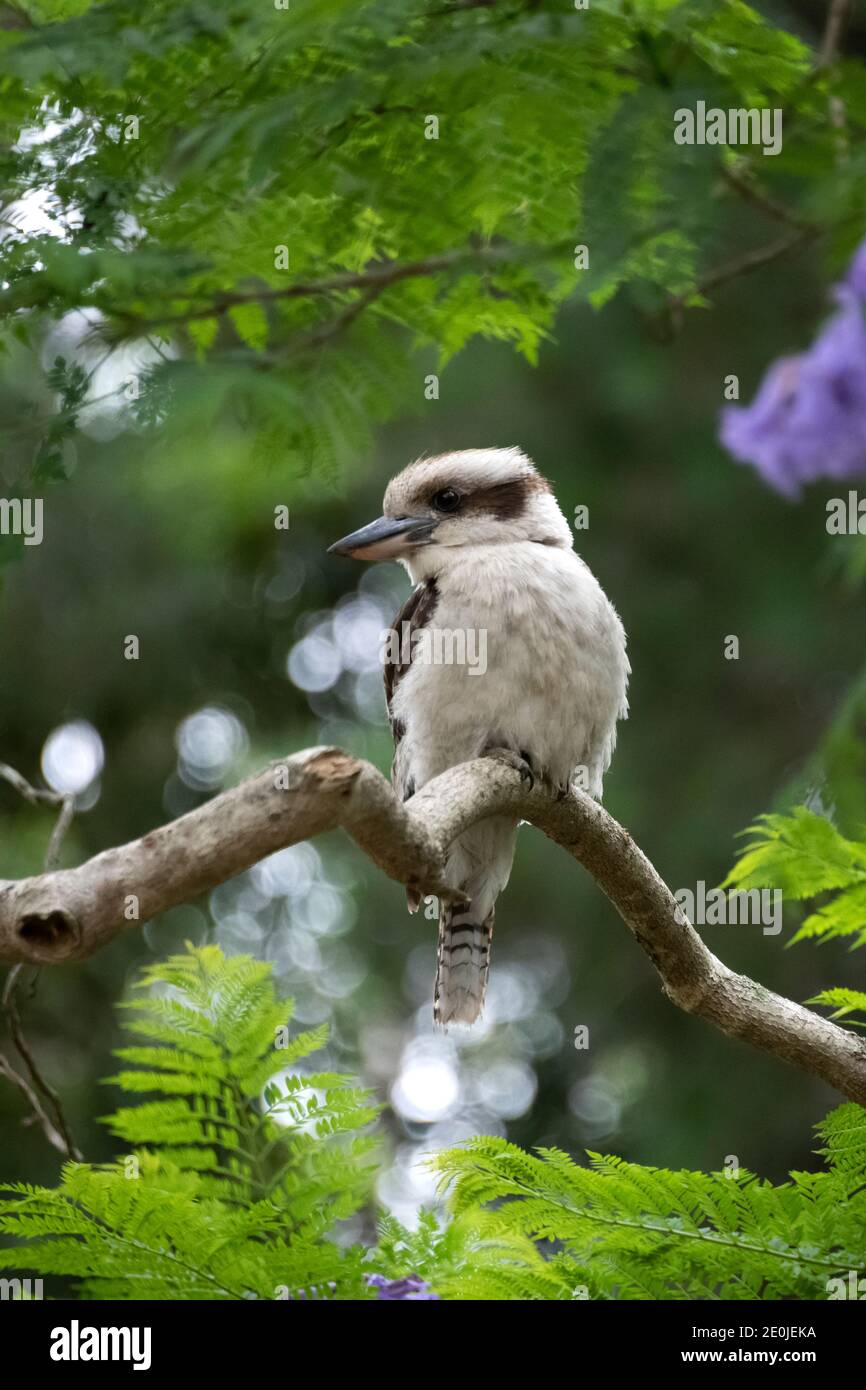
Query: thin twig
[54, 1137]
[59, 1128]
[750, 192]
[838, 14]
[756, 259]
[41, 796]
[323, 332]
[377, 276]
[34, 1085]
[744, 264]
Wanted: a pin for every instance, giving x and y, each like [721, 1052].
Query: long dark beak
[384, 539]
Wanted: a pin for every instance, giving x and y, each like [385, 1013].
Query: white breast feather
[556, 674]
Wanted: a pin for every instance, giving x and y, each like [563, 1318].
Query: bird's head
[438, 507]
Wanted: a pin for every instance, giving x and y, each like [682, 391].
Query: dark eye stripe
[505, 501]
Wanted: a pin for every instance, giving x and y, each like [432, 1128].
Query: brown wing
[415, 614]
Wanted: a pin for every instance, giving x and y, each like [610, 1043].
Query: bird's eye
[447, 499]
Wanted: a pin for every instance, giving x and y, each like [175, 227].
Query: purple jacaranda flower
[411, 1289]
[808, 420]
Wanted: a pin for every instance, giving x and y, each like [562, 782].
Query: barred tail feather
[462, 964]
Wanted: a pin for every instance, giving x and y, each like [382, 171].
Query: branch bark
[71, 913]
[838, 14]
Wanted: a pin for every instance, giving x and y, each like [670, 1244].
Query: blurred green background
[237, 621]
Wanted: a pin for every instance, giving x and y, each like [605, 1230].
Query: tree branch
[69, 914]
[838, 14]
[741, 179]
[43, 1100]
[39, 1093]
[38, 796]
[744, 264]
[378, 276]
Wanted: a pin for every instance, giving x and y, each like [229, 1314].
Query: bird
[491, 557]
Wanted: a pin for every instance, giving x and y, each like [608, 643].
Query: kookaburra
[491, 557]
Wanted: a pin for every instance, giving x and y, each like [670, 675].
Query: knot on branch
[333, 767]
[50, 935]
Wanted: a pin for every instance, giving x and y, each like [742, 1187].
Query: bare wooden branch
[44, 1101]
[741, 178]
[40, 796]
[745, 264]
[838, 14]
[39, 1113]
[69, 914]
[45, 1104]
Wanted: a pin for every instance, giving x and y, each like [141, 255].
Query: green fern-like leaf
[803, 855]
[634, 1232]
[239, 1166]
[843, 1002]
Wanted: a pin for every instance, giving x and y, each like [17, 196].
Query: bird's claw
[520, 762]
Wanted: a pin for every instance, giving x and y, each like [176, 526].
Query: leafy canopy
[235, 191]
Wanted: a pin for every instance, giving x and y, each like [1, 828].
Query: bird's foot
[520, 762]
